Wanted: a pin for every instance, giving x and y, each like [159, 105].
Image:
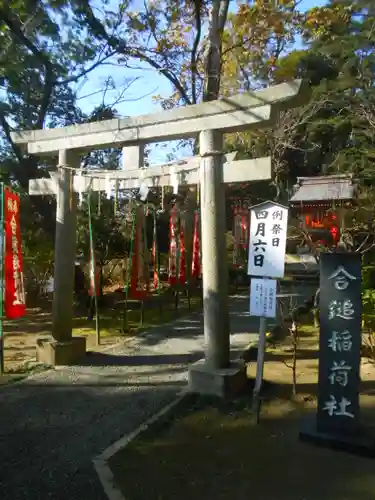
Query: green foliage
[43, 53]
[111, 231]
[368, 277]
[368, 300]
[368, 312]
[334, 132]
[47, 47]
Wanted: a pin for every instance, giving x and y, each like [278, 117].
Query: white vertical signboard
[263, 298]
[267, 240]
[267, 245]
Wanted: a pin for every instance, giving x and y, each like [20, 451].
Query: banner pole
[2, 291]
[93, 271]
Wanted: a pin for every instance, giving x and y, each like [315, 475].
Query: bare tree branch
[50, 80]
[120, 47]
[193, 60]
[86, 71]
[16, 30]
[213, 57]
[7, 131]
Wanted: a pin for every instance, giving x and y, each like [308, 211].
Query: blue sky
[139, 96]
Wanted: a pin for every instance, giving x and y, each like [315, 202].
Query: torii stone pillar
[63, 349]
[133, 157]
[65, 249]
[214, 260]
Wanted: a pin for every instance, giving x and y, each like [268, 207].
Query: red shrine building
[320, 206]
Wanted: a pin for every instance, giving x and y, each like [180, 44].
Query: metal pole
[2, 258]
[97, 318]
[93, 274]
[260, 365]
[129, 268]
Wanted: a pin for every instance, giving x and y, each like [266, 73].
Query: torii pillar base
[206, 380]
[53, 353]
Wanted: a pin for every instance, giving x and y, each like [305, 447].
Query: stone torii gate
[210, 121]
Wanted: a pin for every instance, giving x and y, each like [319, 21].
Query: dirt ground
[20, 335]
[20, 338]
[214, 450]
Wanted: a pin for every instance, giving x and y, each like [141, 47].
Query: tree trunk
[294, 335]
[316, 309]
[212, 57]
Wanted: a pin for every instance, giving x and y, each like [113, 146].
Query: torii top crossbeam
[240, 112]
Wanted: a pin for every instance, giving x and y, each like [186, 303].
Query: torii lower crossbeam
[187, 174]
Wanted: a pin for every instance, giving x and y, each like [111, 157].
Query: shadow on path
[49, 434]
[104, 359]
[136, 360]
[53, 424]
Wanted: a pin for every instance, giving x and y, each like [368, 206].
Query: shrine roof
[323, 189]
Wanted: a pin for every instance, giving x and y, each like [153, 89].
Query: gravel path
[53, 424]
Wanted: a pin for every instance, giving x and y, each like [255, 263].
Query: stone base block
[361, 443]
[54, 353]
[205, 380]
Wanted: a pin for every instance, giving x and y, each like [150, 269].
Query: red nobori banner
[14, 304]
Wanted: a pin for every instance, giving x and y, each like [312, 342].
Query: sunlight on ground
[214, 449]
[113, 324]
[219, 452]
[20, 335]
